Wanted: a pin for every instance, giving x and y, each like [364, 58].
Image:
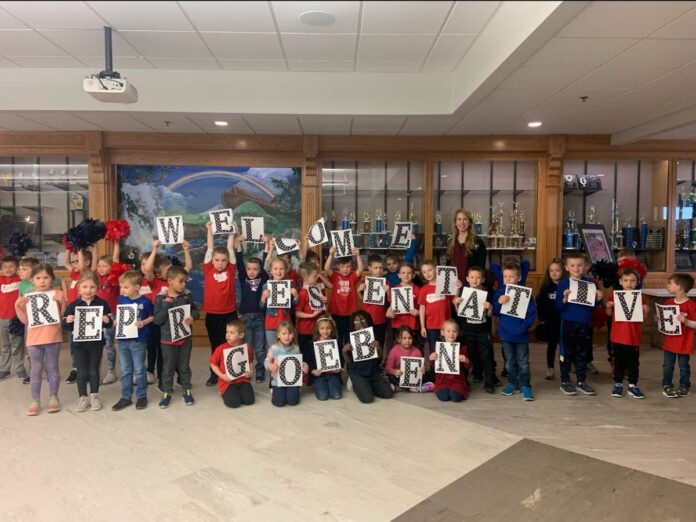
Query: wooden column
[103, 185]
[311, 184]
[550, 205]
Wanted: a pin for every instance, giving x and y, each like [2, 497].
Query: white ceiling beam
[675, 120]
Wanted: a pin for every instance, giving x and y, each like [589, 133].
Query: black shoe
[141, 403]
[478, 379]
[503, 373]
[212, 381]
[496, 382]
[122, 403]
[72, 378]
[489, 389]
[26, 380]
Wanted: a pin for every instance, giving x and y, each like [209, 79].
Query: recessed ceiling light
[317, 18]
[221, 123]
[534, 124]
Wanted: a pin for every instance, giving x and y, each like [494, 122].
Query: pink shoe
[428, 387]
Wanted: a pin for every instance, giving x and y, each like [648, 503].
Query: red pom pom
[116, 270]
[117, 229]
[632, 263]
[67, 246]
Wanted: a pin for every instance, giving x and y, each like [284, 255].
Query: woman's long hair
[470, 235]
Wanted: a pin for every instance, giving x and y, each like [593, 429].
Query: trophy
[77, 201]
[643, 231]
[345, 224]
[628, 233]
[591, 216]
[353, 223]
[492, 232]
[684, 238]
[570, 235]
[412, 219]
[478, 226]
[502, 240]
[378, 220]
[521, 230]
[438, 223]
[616, 235]
[333, 220]
[693, 237]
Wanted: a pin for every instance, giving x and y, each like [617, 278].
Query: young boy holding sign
[232, 363]
[344, 281]
[680, 346]
[325, 361]
[134, 312]
[374, 291]
[627, 308]
[174, 313]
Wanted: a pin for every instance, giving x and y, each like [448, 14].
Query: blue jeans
[668, 369]
[108, 334]
[517, 363]
[255, 337]
[327, 385]
[132, 361]
[433, 336]
[280, 395]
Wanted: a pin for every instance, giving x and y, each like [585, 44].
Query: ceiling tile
[623, 19]
[377, 124]
[682, 27]
[545, 77]
[120, 62]
[273, 124]
[192, 64]
[27, 43]
[687, 132]
[404, 17]
[178, 122]
[166, 44]
[394, 47]
[469, 17]
[319, 46]
[47, 61]
[46, 15]
[658, 56]
[245, 46]
[59, 120]
[253, 65]
[388, 66]
[428, 124]
[10, 120]
[321, 65]
[248, 17]
[143, 15]
[235, 123]
[113, 120]
[88, 42]
[4, 62]
[608, 77]
[325, 124]
[439, 65]
[581, 52]
[287, 15]
[8, 21]
[451, 47]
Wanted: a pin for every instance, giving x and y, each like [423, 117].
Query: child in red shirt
[109, 290]
[12, 351]
[219, 297]
[450, 387]
[343, 302]
[234, 392]
[375, 268]
[434, 309]
[406, 274]
[306, 316]
[679, 347]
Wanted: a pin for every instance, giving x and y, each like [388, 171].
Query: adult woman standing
[465, 248]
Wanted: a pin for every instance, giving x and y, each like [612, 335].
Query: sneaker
[414, 390]
[568, 388]
[34, 409]
[95, 401]
[394, 387]
[82, 404]
[26, 380]
[72, 378]
[669, 391]
[508, 390]
[22, 376]
[496, 382]
[617, 390]
[121, 404]
[586, 388]
[635, 392]
[166, 399]
[489, 388]
[150, 378]
[527, 394]
[141, 403]
[427, 387]
[4, 376]
[349, 385]
[212, 381]
[188, 398]
[109, 378]
[478, 379]
[683, 391]
[549, 374]
[591, 369]
[53, 404]
[260, 378]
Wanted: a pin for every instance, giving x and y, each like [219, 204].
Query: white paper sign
[446, 282]
[472, 306]
[222, 221]
[42, 309]
[327, 355]
[374, 290]
[289, 371]
[343, 241]
[170, 230]
[360, 341]
[411, 376]
[178, 328]
[667, 322]
[401, 237]
[236, 361]
[317, 233]
[628, 306]
[518, 303]
[286, 245]
[279, 295]
[582, 292]
[252, 228]
[447, 360]
[88, 323]
[126, 317]
[315, 296]
[402, 299]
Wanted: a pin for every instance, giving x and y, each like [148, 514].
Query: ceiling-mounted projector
[108, 86]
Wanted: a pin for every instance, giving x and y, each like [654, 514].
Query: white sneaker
[349, 385]
[109, 378]
[95, 401]
[82, 404]
[150, 378]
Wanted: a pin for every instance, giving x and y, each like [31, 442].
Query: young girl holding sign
[285, 344]
[87, 352]
[43, 338]
[234, 391]
[452, 387]
[276, 315]
[326, 383]
[405, 347]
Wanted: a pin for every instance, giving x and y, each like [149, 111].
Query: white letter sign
[518, 303]
[327, 356]
[278, 293]
[401, 237]
[402, 299]
[343, 241]
[42, 309]
[628, 306]
[472, 306]
[252, 228]
[582, 292]
[411, 375]
[222, 221]
[374, 292]
[446, 283]
[178, 328]
[667, 322]
[315, 296]
[286, 245]
[88, 323]
[236, 361]
[170, 230]
[360, 341]
[126, 317]
[289, 371]
[317, 233]
[447, 360]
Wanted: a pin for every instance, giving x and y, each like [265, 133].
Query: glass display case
[685, 230]
[628, 197]
[42, 196]
[502, 197]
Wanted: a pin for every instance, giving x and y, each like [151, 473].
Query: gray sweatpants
[176, 357]
[12, 351]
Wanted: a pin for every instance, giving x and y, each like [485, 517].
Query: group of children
[272, 332]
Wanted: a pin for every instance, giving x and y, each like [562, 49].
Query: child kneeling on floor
[404, 348]
[234, 392]
[285, 344]
[449, 387]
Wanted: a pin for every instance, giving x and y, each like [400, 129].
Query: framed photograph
[595, 239]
